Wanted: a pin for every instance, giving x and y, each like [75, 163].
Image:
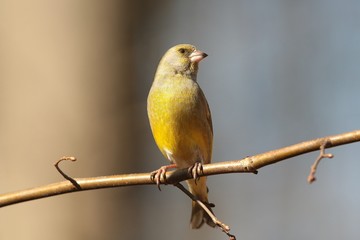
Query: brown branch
[311, 178]
[73, 181]
[206, 206]
[248, 164]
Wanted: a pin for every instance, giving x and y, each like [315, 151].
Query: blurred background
[74, 78]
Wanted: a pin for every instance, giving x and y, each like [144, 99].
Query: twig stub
[206, 206]
[73, 181]
[311, 178]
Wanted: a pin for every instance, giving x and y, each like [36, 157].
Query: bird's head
[182, 59]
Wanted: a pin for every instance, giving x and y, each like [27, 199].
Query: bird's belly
[175, 138]
[174, 128]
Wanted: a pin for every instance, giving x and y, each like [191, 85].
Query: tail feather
[198, 214]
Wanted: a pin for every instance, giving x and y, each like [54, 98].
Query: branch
[311, 178]
[207, 208]
[248, 164]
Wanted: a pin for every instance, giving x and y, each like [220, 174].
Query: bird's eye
[182, 50]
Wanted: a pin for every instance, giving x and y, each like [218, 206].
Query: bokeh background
[74, 78]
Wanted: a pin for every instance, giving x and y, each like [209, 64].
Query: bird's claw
[196, 170]
[159, 176]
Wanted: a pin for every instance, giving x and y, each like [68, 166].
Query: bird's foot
[196, 170]
[159, 175]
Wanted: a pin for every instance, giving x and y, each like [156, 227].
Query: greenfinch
[180, 121]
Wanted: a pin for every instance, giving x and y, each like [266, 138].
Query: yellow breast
[177, 114]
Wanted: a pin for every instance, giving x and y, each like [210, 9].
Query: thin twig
[311, 178]
[206, 206]
[73, 181]
[248, 164]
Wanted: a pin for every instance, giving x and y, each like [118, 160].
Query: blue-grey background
[74, 78]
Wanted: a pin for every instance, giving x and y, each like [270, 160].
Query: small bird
[180, 121]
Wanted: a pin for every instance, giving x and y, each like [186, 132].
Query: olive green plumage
[180, 118]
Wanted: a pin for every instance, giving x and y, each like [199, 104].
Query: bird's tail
[198, 214]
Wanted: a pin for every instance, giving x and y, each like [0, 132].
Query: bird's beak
[197, 56]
